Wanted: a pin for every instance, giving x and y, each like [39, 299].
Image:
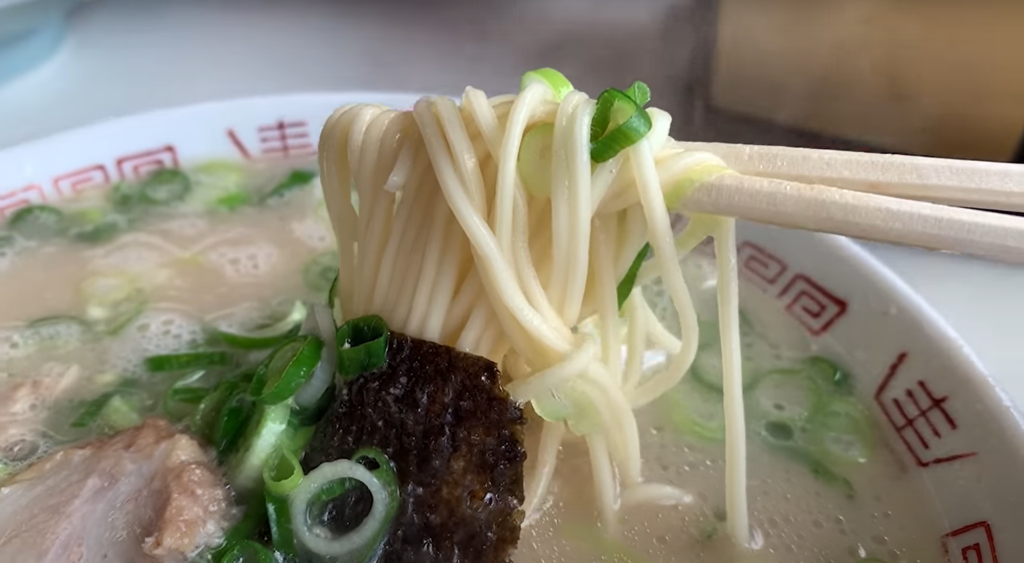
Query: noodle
[448, 245]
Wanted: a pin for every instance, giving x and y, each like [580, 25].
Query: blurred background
[942, 78]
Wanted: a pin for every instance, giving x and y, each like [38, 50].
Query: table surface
[127, 56]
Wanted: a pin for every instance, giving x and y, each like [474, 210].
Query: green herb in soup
[459, 354]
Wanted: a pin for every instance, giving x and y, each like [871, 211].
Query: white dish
[965, 438]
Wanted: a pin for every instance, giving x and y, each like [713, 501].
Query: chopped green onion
[625, 286]
[819, 469]
[116, 409]
[619, 122]
[189, 395]
[829, 374]
[319, 273]
[283, 473]
[233, 200]
[264, 334]
[231, 423]
[124, 195]
[286, 369]
[312, 399]
[841, 431]
[298, 437]
[95, 224]
[534, 163]
[707, 365]
[165, 186]
[254, 516]
[559, 84]
[248, 551]
[694, 410]
[38, 222]
[187, 361]
[297, 179]
[112, 301]
[205, 418]
[640, 93]
[91, 412]
[219, 185]
[280, 519]
[265, 435]
[362, 346]
[119, 413]
[185, 394]
[362, 542]
[332, 293]
[786, 394]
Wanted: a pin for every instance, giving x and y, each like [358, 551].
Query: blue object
[30, 32]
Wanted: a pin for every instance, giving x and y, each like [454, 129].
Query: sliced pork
[146, 495]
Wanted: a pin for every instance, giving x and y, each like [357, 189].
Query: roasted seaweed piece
[456, 439]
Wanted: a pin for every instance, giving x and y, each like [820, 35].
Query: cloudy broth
[154, 284]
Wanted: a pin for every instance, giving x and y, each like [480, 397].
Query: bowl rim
[1004, 419]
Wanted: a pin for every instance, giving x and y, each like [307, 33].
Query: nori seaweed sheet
[456, 440]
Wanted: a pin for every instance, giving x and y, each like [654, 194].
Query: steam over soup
[331, 415]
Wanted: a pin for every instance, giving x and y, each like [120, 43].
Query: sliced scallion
[310, 398]
[95, 224]
[38, 222]
[91, 412]
[231, 423]
[124, 195]
[694, 410]
[282, 473]
[534, 163]
[640, 93]
[829, 374]
[112, 301]
[294, 181]
[219, 185]
[785, 394]
[165, 186]
[205, 417]
[254, 516]
[362, 346]
[818, 468]
[286, 369]
[187, 361]
[619, 122]
[309, 498]
[264, 333]
[188, 395]
[265, 434]
[248, 551]
[841, 431]
[279, 517]
[120, 413]
[556, 81]
[625, 286]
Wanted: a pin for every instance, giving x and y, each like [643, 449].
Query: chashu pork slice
[145, 495]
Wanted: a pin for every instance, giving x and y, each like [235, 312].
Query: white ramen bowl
[941, 414]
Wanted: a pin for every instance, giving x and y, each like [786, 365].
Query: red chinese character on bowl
[281, 139]
[920, 417]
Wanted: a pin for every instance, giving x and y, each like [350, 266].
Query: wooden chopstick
[980, 185]
[868, 216]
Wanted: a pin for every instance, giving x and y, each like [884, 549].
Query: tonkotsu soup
[80, 317]
[482, 332]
